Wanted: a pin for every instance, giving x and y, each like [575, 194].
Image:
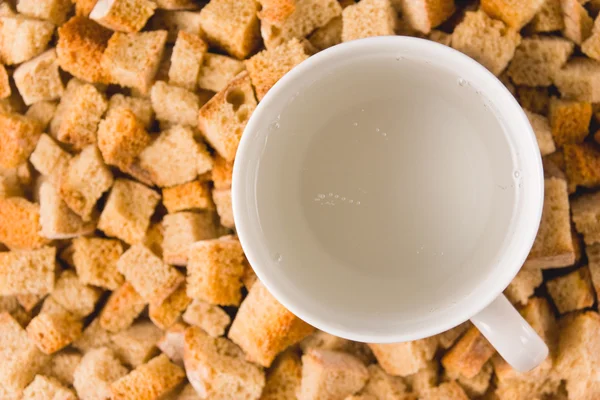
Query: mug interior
[387, 189]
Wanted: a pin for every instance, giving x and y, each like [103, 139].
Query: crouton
[591, 46]
[543, 132]
[216, 368]
[577, 356]
[54, 11]
[523, 285]
[38, 79]
[231, 25]
[307, 16]
[175, 21]
[84, 180]
[21, 38]
[585, 216]
[62, 366]
[537, 60]
[95, 260]
[49, 159]
[468, 355]
[573, 291]
[177, 4]
[426, 15]
[446, 391]
[534, 99]
[20, 359]
[440, 37]
[368, 18]
[10, 187]
[323, 340]
[5, 89]
[577, 22]
[268, 66]
[122, 307]
[20, 224]
[51, 331]
[27, 272]
[579, 80]
[149, 276]
[181, 230]
[329, 374]
[148, 381]
[154, 238]
[170, 310]
[141, 107]
[403, 359]
[174, 104]
[513, 13]
[215, 270]
[488, 41]
[549, 17]
[212, 319]
[42, 112]
[194, 195]
[448, 338]
[478, 385]
[79, 48]
[223, 118]
[553, 245]
[276, 11]
[593, 255]
[186, 60]
[30, 301]
[328, 35]
[77, 298]
[127, 212]
[384, 386]
[98, 368]
[582, 165]
[121, 137]
[44, 387]
[222, 173]
[172, 342]
[123, 15]
[132, 59]
[92, 337]
[18, 137]
[188, 393]
[136, 344]
[49, 305]
[217, 71]
[283, 380]
[263, 327]
[11, 305]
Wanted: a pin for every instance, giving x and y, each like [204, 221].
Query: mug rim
[528, 209]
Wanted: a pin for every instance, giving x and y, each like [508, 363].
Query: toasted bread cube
[308, 15]
[573, 291]
[136, 344]
[54, 11]
[323, 340]
[283, 380]
[174, 104]
[553, 245]
[446, 391]
[593, 255]
[80, 45]
[441, 37]
[424, 379]
[523, 285]
[368, 18]
[30, 301]
[175, 21]
[212, 319]
[268, 66]
[223, 118]
[44, 387]
[231, 25]
[582, 165]
[27, 272]
[18, 137]
[141, 107]
[537, 60]
[448, 338]
[38, 79]
[49, 159]
[264, 328]
[127, 212]
[95, 260]
[150, 277]
[426, 15]
[62, 366]
[132, 59]
[328, 35]
[534, 99]
[222, 173]
[275, 11]
[478, 385]
[49, 305]
[543, 132]
[21, 38]
[20, 224]
[20, 359]
[549, 18]
[215, 270]
[121, 137]
[513, 13]
[585, 216]
[217, 71]
[577, 355]
[186, 60]
[488, 41]
[330, 374]
[172, 342]
[577, 22]
[184, 228]
[85, 179]
[77, 298]
[51, 331]
[403, 359]
[384, 386]
[148, 381]
[590, 46]
[92, 337]
[171, 309]
[194, 195]
[468, 355]
[5, 89]
[65, 105]
[177, 4]
[154, 238]
[122, 307]
[123, 15]
[97, 370]
[579, 80]
[11, 305]
[216, 368]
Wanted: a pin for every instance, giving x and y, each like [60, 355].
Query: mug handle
[509, 333]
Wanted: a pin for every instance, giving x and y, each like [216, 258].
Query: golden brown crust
[469, 354]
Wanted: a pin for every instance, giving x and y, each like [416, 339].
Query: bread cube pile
[120, 273]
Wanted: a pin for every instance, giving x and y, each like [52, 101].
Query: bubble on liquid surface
[355, 124]
[461, 82]
[358, 203]
[383, 134]
[336, 196]
[278, 257]
[321, 196]
[517, 174]
[377, 129]
[330, 194]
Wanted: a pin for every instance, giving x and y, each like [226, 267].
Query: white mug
[389, 189]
